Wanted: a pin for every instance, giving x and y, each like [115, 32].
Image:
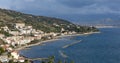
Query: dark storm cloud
[64, 8]
[76, 3]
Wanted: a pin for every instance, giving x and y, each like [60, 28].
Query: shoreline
[38, 43]
[54, 39]
[89, 33]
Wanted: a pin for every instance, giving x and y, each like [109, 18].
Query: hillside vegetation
[46, 24]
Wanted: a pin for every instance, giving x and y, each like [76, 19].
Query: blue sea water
[102, 47]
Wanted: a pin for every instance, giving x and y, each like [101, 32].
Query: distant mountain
[109, 22]
[106, 19]
[105, 23]
[46, 24]
[112, 22]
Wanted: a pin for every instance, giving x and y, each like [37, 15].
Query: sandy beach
[57, 38]
[39, 43]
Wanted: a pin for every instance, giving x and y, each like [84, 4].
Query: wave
[63, 54]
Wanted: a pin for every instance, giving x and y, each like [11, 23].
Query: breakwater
[68, 45]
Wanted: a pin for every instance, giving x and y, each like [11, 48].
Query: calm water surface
[95, 48]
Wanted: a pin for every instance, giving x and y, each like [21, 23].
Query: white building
[19, 25]
[5, 28]
[15, 54]
[25, 40]
[30, 27]
[21, 59]
[9, 49]
[39, 31]
[25, 31]
[14, 32]
[2, 35]
[4, 59]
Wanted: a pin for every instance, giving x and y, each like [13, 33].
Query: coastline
[38, 43]
[54, 39]
[89, 33]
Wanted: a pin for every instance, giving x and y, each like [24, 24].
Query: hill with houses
[46, 24]
[19, 29]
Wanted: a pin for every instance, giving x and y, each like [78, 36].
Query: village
[21, 35]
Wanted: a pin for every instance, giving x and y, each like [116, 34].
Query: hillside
[46, 24]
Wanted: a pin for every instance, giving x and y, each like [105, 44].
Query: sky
[77, 11]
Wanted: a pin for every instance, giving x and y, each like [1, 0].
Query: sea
[101, 47]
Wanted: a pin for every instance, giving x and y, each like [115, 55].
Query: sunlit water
[96, 48]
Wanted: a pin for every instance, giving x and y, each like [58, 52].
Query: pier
[71, 44]
[33, 59]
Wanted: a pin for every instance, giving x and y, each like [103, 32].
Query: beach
[39, 43]
[51, 40]
[98, 47]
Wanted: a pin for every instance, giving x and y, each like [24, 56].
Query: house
[30, 27]
[5, 28]
[37, 36]
[19, 25]
[25, 31]
[5, 46]
[33, 31]
[55, 24]
[25, 40]
[21, 59]
[14, 33]
[62, 29]
[1, 36]
[54, 34]
[4, 59]
[73, 32]
[40, 31]
[15, 54]
[9, 49]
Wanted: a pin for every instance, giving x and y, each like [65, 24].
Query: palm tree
[51, 59]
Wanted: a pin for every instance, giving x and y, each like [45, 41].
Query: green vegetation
[52, 60]
[46, 24]
[1, 50]
[84, 29]
[2, 42]
[5, 33]
[26, 61]
[34, 41]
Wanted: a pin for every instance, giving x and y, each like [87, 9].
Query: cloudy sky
[73, 10]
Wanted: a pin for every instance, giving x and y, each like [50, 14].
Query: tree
[1, 50]
[51, 59]
[43, 62]
[59, 61]
[11, 61]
